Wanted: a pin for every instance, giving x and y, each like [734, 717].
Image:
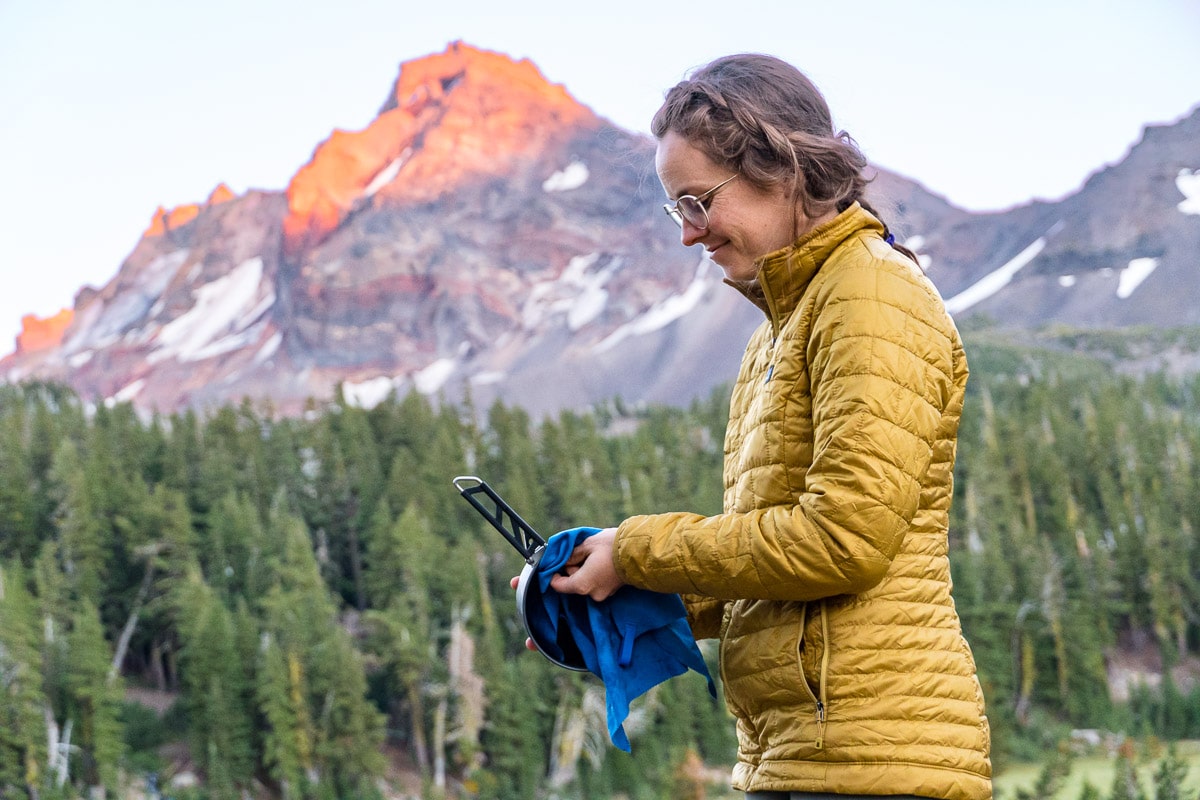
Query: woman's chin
[738, 273]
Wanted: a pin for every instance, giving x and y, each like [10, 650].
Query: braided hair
[765, 120]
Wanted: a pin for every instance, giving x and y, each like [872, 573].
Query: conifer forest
[305, 608]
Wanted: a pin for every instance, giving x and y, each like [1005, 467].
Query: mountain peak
[435, 76]
[488, 236]
[461, 115]
[42, 333]
[163, 220]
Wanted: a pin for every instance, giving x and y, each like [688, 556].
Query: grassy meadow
[1098, 770]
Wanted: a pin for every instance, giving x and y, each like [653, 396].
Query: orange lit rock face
[42, 334]
[164, 220]
[460, 115]
[221, 194]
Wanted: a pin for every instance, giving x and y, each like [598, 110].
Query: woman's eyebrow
[689, 191]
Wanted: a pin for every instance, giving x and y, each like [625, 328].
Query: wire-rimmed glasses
[693, 208]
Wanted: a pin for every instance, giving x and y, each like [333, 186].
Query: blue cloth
[633, 641]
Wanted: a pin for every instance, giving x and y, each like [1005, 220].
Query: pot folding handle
[519, 533]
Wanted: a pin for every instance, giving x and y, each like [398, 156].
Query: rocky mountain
[487, 234]
[1122, 251]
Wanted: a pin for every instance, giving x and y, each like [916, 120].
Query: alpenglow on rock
[489, 235]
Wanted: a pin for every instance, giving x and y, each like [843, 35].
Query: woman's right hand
[529, 645]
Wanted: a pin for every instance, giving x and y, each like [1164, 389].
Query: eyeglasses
[693, 208]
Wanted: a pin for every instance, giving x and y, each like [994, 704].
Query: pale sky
[110, 109]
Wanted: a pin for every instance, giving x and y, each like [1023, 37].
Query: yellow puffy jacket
[826, 577]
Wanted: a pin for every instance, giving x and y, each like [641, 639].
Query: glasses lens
[693, 211]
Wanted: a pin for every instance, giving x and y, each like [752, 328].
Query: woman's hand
[590, 569]
[529, 645]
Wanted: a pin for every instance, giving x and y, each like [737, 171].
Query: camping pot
[530, 545]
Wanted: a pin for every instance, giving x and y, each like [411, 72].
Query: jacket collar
[784, 274]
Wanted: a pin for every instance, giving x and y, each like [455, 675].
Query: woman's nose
[690, 234]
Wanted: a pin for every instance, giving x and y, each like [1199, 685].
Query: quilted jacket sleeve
[878, 354]
[704, 615]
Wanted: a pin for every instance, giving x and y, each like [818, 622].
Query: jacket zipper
[821, 703]
[818, 701]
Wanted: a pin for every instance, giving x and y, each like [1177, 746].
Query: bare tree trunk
[466, 685]
[130, 625]
[439, 742]
[52, 751]
[172, 672]
[64, 756]
[566, 741]
[156, 657]
[418, 726]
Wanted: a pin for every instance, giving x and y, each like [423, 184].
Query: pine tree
[1169, 776]
[216, 687]
[237, 558]
[22, 729]
[1050, 780]
[18, 504]
[509, 461]
[518, 727]
[312, 679]
[95, 699]
[400, 562]
[1125, 785]
[287, 741]
[80, 530]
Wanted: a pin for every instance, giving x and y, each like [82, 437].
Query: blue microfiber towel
[633, 641]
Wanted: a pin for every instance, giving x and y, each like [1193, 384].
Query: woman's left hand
[590, 569]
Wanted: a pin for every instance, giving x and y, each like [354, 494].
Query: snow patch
[433, 377]
[119, 314]
[570, 177]
[79, 359]
[221, 310]
[387, 174]
[252, 316]
[665, 312]
[127, 393]
[1188, 181]
[915, 243]
[587, 306]
[268, 349]
[993, 282]
[155, 277]
[368, 393]
[1132, 276]
[485, 378]
[226, 344]
[1066, 281]
[577, 294]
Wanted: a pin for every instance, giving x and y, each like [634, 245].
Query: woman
[826, 577]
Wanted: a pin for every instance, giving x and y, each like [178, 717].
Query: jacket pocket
[812, 655]
[807, 657]
[760, 653]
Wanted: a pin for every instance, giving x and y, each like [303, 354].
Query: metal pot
[530, 545]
